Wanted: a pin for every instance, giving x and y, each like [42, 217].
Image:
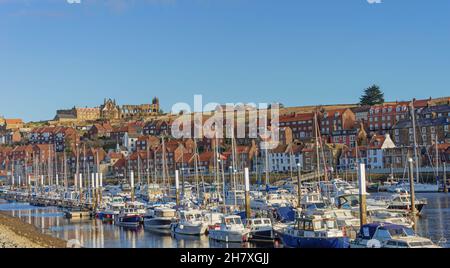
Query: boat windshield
[257, 222]
[191, 217]
[401, 232]
[231, 221]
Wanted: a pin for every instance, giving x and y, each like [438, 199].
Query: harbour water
[95, 234]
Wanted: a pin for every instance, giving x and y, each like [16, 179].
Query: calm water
[93, 233]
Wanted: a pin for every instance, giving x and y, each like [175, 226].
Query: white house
[284, 158]
[129, 141]
[376, 150]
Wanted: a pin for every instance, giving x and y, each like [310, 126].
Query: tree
[372, 95]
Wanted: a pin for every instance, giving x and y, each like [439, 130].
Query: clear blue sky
[56, 55]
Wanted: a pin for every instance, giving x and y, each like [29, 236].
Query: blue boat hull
[266, 235]
[312, 242]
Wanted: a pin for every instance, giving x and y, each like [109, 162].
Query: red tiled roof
[297, 117]
[13, 121]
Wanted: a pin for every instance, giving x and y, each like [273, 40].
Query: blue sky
[56, 55]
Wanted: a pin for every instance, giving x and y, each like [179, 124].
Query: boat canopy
[368, 230]
[285, 214]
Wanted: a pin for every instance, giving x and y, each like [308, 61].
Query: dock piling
[362, 194]
[247, 193]
[177, 187]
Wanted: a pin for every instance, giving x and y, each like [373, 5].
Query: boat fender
[181, 227]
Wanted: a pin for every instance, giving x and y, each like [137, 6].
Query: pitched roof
[13, 121]
[296, 117]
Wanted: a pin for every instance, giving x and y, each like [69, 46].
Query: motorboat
[128, 217]
[230, 230]
[387, 235]
[402, 201]
[191, 222]
[160, 219]
[314, 231]
[418, 187]
[261, 230]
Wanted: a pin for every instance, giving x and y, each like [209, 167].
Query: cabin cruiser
[418, 187]
[391, 182]
[112, 210]
[212, 218]
[314, 231]
[260, 230]
[386, 235]
[274, 199]
[160, 219]
[128, 217]
[191, 222]
[312, 201]
[338, 187]
[402, 200]
[230, 229]
[398, 217]
[139, 206]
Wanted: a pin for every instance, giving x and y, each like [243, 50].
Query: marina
[119, 222]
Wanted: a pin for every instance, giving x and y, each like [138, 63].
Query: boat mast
[77, 168]
[233, 157]
[65, 171]
[196, 168]
[413, 119]
[56, 166]
[266, 152]
[316, 130]
[437, 156]
[148, 170]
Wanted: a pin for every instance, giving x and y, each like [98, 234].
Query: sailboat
[419, 187]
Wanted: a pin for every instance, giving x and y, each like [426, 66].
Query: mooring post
[177, 187]
[362, 194]
[100, 188]
[247, 193]
[132, 185]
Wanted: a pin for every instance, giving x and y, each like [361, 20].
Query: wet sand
[15, 233]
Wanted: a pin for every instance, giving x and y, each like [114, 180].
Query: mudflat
[15, 233]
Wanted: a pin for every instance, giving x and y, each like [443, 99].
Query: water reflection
[95, 234]
[435, 217]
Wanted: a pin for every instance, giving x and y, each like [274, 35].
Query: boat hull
[262, 236]
[233, 237]
[129, 221]
[158, 225]
[419, 207]
[186, 229]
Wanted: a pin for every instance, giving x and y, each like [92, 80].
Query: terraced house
[61, 137]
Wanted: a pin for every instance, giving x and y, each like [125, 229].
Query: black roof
[422, 122]
[436, 109]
